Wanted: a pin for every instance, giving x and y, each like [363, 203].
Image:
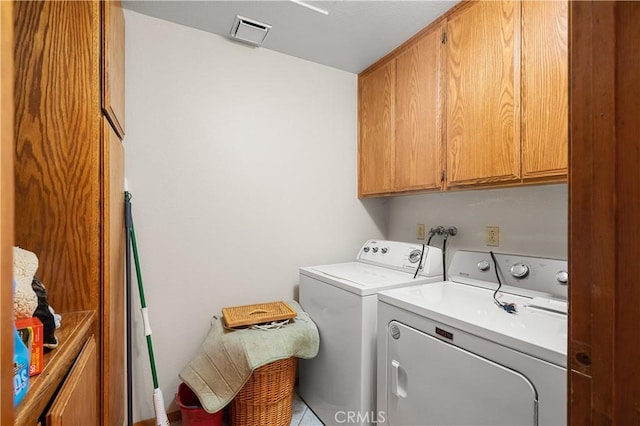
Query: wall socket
[420, 231]
[492, 236]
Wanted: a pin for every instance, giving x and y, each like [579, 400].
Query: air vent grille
[249, 30]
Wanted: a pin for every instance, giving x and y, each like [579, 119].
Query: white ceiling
[354, 34]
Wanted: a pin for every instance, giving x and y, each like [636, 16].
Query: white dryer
[339, 383]
[448, 354]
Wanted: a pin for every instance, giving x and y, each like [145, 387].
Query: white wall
[532, 220]
[242, 166]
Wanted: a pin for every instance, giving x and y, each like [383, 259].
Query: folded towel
[227, 358]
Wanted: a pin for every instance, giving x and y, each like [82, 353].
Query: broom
[158, 400]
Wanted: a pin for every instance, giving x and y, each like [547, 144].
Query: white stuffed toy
[25, 300]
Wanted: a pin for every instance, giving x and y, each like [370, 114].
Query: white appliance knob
[562, 277]
[483, 265]
[384, 250]
[366, 249]
[414, 256]
[519, 270]
[375, 249]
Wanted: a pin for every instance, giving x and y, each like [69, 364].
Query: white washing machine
[449, 355]
[339, 383]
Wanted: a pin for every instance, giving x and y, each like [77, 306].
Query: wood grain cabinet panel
[483, 118]
[113, 328]
[419, 102]
[545, 89]
[57, 160]
[113, 64]
[376, 131]
[6, 212]
[77, 402]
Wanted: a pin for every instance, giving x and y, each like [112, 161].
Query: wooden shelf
[72, 335]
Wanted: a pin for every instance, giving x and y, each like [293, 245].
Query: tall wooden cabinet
[69, 171]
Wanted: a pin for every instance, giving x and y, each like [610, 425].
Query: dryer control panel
[525, 275]
[402, 256]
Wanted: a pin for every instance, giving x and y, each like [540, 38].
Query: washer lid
[534, 331]
[361, 278]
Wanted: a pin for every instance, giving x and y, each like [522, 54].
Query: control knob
[375, 249]
[562, 277]
[384, 250]
[414, 256]
[483, 265]
[366, 249]
[519, 270]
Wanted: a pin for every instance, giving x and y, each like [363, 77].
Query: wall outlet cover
[492, 236]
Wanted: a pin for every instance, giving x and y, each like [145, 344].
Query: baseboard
[173, 416]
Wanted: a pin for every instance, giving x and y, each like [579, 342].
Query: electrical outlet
[420, 231]
[492, 236]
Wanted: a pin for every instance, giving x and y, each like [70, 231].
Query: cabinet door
[113, 312]
[113, 64]
[483, 119]
[376, 131]
[77, 402]
[419, 102]
[545, 89]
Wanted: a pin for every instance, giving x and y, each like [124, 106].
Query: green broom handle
[143, 303]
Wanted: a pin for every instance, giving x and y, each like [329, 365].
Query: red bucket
[192, 412]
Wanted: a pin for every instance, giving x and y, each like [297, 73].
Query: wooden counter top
[72, 335]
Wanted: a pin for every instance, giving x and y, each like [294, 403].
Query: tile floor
[302, 415]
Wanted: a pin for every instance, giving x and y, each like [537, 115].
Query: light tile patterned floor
[302, 415]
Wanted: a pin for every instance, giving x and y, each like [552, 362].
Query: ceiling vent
[249, 31]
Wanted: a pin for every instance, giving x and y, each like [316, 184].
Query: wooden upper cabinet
[376, 130]
[113, 64]
[545, 89]
[485, 106]
[419, 108]
[483, 118]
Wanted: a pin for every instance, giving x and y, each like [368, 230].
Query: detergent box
[31, 333]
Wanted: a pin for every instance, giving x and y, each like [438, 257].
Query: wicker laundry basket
[266, 399]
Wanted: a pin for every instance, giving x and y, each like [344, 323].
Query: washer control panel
[402, 256]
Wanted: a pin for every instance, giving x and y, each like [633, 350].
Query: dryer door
[436, 383]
